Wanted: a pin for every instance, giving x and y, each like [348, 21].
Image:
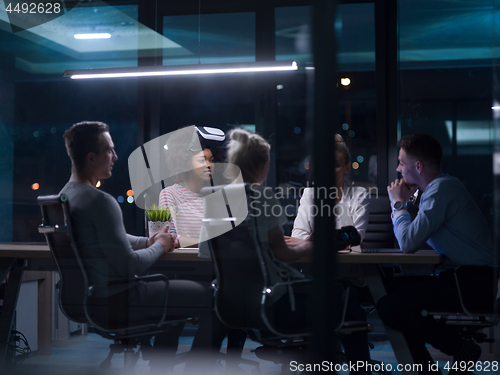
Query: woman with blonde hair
[352, 203]
[251, 153]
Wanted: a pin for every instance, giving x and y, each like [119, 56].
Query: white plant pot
[155, 226]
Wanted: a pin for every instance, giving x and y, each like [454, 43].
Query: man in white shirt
[451, 223]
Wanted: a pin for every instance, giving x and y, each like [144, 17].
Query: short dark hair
[82, 138]
[424, 148]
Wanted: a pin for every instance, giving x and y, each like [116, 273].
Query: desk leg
[14, 268]
[396, 338]
[45, 314]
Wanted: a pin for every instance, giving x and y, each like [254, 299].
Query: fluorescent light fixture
[170, 70]
[93, 36]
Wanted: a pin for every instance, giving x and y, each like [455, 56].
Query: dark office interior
[425, 66]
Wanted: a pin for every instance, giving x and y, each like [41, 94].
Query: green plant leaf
[156, 213]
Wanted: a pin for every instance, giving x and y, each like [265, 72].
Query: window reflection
[445, 85]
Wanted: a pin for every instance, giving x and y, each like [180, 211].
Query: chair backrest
[77, 299]
[241, 275]
[56, 227]
[379, 232]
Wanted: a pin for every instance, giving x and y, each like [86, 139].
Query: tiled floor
[81, 355]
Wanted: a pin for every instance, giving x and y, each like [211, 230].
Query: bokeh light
[35, 186]
[351, 133]
[120, 199]
[130, 199]
[345, 81]
[130, 193]
[98, 184]
[360, 159]
[355, 165]
[297, 130]
[345, 126]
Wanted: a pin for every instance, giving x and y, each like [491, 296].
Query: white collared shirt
[353, 209]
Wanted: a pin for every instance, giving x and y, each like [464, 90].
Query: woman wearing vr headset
[190, 162]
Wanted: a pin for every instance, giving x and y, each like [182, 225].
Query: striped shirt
[186, 208]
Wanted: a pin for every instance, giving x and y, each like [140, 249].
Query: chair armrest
[285, 283]
[117, 286]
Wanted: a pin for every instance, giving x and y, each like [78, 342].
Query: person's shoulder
[87, 196]
[447, 188]
[307, 194]
[171, 191]
[359, 191]
[445, 182]
[308, 191]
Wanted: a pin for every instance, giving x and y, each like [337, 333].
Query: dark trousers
[185, 298]
[409, 299]
[355, 344]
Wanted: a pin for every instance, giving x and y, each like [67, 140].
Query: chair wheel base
[105, 365]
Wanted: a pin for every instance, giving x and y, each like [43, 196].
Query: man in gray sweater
[108, 251]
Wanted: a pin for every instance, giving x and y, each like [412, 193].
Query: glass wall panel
[446, 61]
[67, 42]
[210, 38]
[355, 30]
[38, 105]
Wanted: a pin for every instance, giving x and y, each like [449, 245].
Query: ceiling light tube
[93, 36]
[169, 70]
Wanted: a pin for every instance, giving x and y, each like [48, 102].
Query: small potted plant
[158, 217]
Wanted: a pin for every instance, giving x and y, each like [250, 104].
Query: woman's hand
[292, 240]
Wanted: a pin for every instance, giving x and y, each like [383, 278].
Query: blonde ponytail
[250, 152]
[342, 147]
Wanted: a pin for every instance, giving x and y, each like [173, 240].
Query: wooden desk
[37, 256]
[40, 250]
[420, 257]
[26, 261]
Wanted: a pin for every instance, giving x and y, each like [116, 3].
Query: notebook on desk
[381, 250]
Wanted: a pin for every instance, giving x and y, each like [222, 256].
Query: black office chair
[85, 303]
[379, 232]
[242, 282]
[471, 319]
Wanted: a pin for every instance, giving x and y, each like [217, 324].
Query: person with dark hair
[108, 251]
[191, 165]
[451, 223]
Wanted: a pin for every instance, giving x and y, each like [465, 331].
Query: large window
[38, 105]
[210, 38]
[356, 122]
[446, 51]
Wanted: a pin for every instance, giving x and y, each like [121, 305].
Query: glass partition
[355, 31]
[210, 38]
[446, 52]
[38, 105]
